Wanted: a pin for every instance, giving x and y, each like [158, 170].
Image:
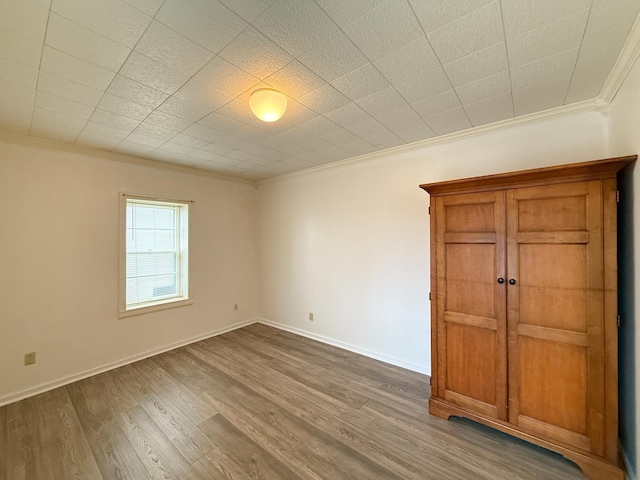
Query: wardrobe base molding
[593, 467]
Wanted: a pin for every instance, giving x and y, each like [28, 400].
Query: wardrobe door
[470, 295]
[555, 301]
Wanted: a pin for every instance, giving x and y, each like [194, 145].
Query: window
[154, 264]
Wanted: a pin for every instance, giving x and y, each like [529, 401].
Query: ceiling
[169, 80]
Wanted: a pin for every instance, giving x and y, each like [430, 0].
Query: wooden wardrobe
[524, 307]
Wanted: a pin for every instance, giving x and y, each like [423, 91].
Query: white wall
[351, 243]
[624, 118]
[59, 263]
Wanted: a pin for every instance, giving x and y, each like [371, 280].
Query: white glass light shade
[268, 105]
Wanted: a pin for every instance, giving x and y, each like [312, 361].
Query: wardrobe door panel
[470, 310]
[555, 312]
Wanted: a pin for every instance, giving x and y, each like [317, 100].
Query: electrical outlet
[235, 307]
[310, 316]
[30, 358]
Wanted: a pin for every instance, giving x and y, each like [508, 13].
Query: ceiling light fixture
[267, 104]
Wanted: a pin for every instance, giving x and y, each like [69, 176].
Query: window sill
[155, 308]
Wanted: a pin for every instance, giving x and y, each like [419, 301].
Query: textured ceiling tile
[485, 88]
[204, 155]
[134, 149]
[113, 19]
[106, 130]
[177, 148]
[539, 97]
[20, 49]
[249, 133]
[384, 139]
[479, 64]
[248, 9]
[435, 14]
[369, 127]
[435, 104]
[343, 13]
[255, 54]
[85, 44]
[62, 105]
[448, 121]
[607, 30]
[96, 140]
[150, 7]
[240, 155]
[68, 89]
[55, 131]
[347, 115]
[523, 15]
[128, 108]
[552, 38]
[25, 18]
[334, 57]
[16, 93]
[324, 99]
[257, 149]
[557, 67]
[218, 75]
[411, 60]
[219, 122]
[294, 80]
[239, 111]
[136, 92]
[426, 85]
[114, 120]
[154, 74]
[295, 26]
[71, 68]
[384, 29]
[216, 149]
[168, 120]
[319, 126]
[156, 132]
[187, 110]
[340, 137]
[394, 119]
[12, 72]
[203, 133]
[166, 46]
[40, 115]
[230, 141]
[490, 110]
[361, 83]
[145, 140]
[207, 22]
[381, 101]
[334, 152]
[480, 29]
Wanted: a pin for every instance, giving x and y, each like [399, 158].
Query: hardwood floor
[256, 403]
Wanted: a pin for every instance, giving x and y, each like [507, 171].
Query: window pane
[146, 289]
[153, 266]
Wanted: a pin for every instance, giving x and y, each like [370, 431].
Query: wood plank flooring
[256, 403]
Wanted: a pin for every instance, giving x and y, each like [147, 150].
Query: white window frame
[185, 216]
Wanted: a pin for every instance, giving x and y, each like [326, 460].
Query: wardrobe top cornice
[575, 172]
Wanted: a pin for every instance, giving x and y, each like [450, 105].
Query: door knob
[512, 281]
[501, 280]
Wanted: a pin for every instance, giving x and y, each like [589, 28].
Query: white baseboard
[347, 346]
[630, 473]
[45, 387]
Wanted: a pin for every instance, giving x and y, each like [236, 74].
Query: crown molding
[625, 62]
[11, 137]
[574, 108]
